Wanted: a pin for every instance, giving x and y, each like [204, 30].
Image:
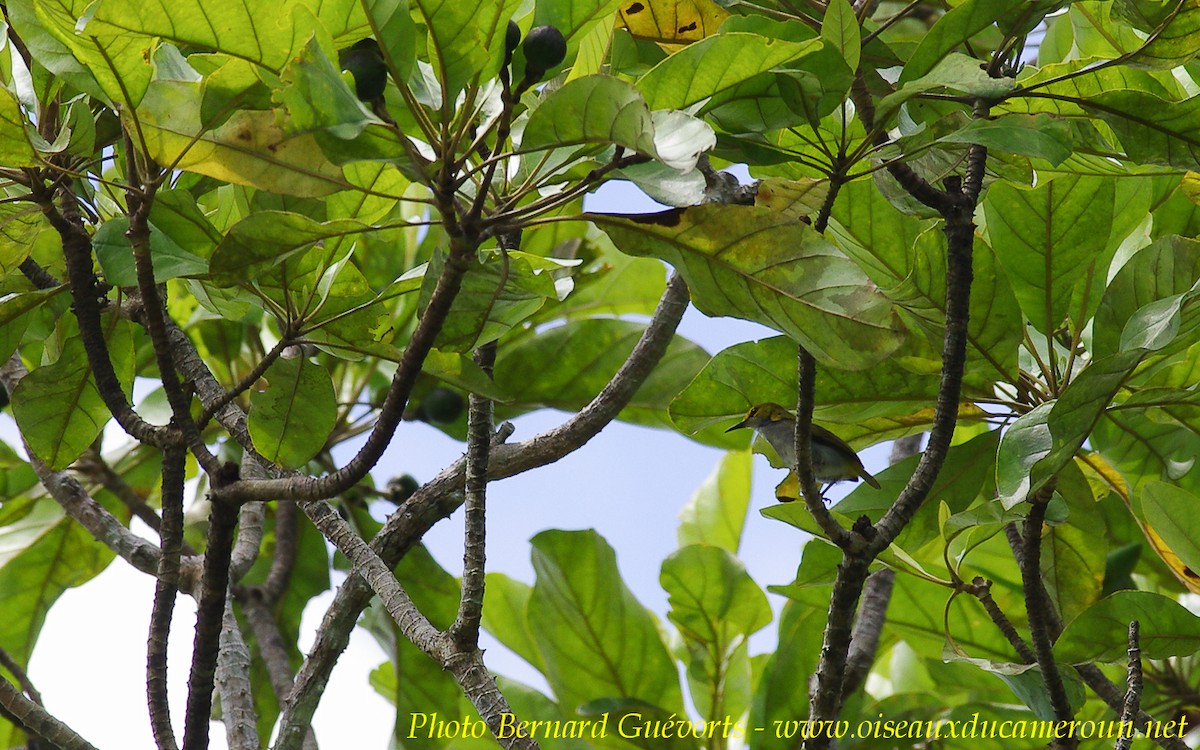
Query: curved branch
[309, 488]
[85, 293]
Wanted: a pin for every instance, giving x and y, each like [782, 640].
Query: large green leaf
[716, 512]
[15, 147]
[1153, 130]
[1047, 238]
[1100, 633]
[960, 24]
[291, 420]
[264, 239]
[249, 148]
[593, 109]
[1168, 267]
[42, 554]
[712, 598]
[596, 640]
[713, 66]
[505, 616]
[1175, 26]
[1171, 512]
[58, 407]
[761, 265]
[497, 293]
[115, 254]
[716, 606]
[866, 406]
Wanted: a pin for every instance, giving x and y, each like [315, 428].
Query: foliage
[237, 231]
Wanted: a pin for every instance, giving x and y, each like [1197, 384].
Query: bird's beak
[737, 426]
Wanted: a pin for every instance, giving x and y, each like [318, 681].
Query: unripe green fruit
[365, 62]
[443, 405]
[402, 487]
[544, 48]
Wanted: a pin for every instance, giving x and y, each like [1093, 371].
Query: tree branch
[233, 685]
[165, 589]
[465, 629]
[441, 496]
[85, 293]
[301, 488]
[209, 622]
[806, 373]
[1133, 687]
[1037, 607]
[34, 719]
[466, 665]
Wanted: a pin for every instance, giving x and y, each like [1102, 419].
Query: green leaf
[291, 420]
[44, 553]
[1047, 238]
[712, 598]
[264, 239]
[396, 33]
[497, 293]
[1100, 633]
[596, 640]
[713, 66]
[839, 29]
[115, 254]
[505, 606]
[250, 148]
[1041, 136]
[15, 148]
[716, 606]
[101, 42]
[316, 97]
[1153, 130]
[1176, 29]
[1171, 512]
[566, 366]
[716, 512]
[857, 404]
[960, 24]
[757, 264]
[1168, 267]
[1026, 442]
[58, 408]
[593, 109]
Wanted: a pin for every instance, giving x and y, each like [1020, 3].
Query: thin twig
[806, 378]
[1133, 687]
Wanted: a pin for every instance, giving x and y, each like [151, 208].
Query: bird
[832, 459]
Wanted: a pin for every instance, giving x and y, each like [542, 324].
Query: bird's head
[762, 415]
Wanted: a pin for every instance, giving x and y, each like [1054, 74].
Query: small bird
[832, 459]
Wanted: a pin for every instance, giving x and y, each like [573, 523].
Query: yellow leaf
[671, 23]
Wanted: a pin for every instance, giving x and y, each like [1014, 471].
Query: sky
[629, 484]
